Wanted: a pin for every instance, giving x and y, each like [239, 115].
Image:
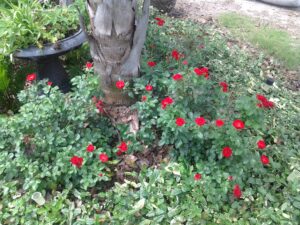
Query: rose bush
[54, 140]
[214, 115]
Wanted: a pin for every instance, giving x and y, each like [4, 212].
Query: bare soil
[287, 19]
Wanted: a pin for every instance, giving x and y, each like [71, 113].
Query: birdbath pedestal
[47, 59]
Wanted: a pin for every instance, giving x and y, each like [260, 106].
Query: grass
[274, 41]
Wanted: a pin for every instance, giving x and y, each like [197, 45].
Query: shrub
[50, 129]
[183, 110]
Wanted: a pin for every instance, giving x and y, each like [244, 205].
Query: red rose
[175, 55]
[160, 21]
[99, 105]
[261, 98]
[144, 98]
[237, 191]
[185, 62]
[224, 85]
[89, 65]
[101, 110]
[166, 101]
[227, 152]
[219, 123]
[177, 77]
[230, 178]
[31, 77]
[261, 144]
[180, 122]
[271, 104]
[238, 124]
[76, 161]
[264, 102]
[197, 71]
[49, 83]
[200, 121]
[123, 147]
[120, 84]
[264, 159]
[268, 104]
[149, 87]
[197, 176]
[103, 157]
[151, 64]
[119, 153]
[202, 71]
[90, 148]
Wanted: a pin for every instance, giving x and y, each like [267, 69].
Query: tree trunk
[116, 41]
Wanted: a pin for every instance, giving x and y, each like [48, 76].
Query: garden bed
[227, 144]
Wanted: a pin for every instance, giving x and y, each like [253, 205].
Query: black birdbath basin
[47, 59]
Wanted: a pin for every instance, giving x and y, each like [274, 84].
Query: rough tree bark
[116, 41]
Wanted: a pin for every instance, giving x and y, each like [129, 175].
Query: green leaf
[139, 205]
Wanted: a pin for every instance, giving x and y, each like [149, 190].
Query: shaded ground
[283, 18]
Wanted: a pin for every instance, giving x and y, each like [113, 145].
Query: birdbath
[47, 59]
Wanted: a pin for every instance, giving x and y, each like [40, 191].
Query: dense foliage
[233, 142]
[28, 22]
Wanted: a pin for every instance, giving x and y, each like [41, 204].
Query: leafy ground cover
[232, 142]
